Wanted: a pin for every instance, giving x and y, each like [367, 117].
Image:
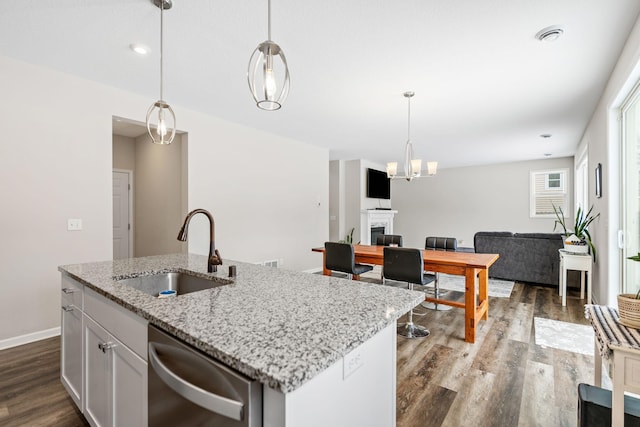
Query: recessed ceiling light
[550, 34]
[545, 135]
[139, 48]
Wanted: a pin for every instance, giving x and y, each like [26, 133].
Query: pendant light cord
[269, 21]
[161, 44]
[409, 119]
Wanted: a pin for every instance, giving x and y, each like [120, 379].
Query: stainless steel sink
[181, 282]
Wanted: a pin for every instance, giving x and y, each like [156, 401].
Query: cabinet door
[71, 355]
[129, 387]
[98, 384]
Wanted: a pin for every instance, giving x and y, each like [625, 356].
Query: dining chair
[341, 257]
[406, 265]
[388, 240]
[439, 244]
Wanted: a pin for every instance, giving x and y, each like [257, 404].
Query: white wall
[458, 202]
[58, 165]
[602, 139]
[336, 200]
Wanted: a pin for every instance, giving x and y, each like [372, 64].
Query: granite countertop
[278, 326]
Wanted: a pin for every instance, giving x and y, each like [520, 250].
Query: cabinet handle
[67, 308]
[68, 290]
[104, 346]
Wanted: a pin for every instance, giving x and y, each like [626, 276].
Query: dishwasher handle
[210, 401]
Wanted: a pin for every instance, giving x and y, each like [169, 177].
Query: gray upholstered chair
[439, 244]
[406, 265]
[341, 257]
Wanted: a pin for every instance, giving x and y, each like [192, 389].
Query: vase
[629, 310]
[576, 245]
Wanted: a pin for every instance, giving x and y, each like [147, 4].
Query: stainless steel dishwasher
[187, 388]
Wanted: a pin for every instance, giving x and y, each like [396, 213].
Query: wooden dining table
[468, 264]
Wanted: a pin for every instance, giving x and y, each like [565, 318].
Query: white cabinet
[115, 342]
[116, 386]
[103, 361]
[71, 369]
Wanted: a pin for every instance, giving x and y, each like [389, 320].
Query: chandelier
[164, 130]
[412, 167]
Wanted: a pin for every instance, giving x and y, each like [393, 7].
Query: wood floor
[30, 390]
[504, 379]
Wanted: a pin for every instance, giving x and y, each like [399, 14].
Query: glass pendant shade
[268, 73]
[432, 168]
[392, 169]
[268, 76]
[161, 123]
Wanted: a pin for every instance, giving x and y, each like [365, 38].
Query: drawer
[72, 292]
[126, 326]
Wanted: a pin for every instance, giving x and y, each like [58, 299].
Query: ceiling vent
[549, 34]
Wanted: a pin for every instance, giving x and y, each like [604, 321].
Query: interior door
[630, 239]
[121, 215]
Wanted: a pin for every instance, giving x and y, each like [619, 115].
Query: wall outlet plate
[74, 224]
[351, 363]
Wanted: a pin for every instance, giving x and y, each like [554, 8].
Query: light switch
[74, 224]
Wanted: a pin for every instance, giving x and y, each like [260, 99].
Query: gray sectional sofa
[524, 257]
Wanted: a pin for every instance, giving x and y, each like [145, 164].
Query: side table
[574, 261]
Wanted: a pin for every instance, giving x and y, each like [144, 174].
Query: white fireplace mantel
[375, 218]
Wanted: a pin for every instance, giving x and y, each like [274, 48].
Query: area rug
[497, 288]
[563, 335]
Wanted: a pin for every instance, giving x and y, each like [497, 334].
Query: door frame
[131, 208]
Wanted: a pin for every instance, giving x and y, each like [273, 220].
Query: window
[630, 200]
[553, 181]
[548, 189]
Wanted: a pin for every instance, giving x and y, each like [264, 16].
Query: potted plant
[578, 240]
[348, 238]
[629, 305]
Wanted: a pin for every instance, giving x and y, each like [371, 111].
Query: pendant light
[268, 73]
[412, 167]
[163, 131]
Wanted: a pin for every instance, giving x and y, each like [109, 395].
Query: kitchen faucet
[214, 259]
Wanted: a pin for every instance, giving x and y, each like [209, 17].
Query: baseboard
[313, 270]
[29, 338]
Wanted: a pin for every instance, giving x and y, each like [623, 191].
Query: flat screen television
[378, 185]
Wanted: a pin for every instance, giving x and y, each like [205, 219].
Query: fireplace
[375, 222]
[375, 232]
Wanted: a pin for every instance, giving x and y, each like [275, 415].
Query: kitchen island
[302, 336]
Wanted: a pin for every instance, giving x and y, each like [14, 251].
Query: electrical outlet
[74, 224]
[351, 363]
